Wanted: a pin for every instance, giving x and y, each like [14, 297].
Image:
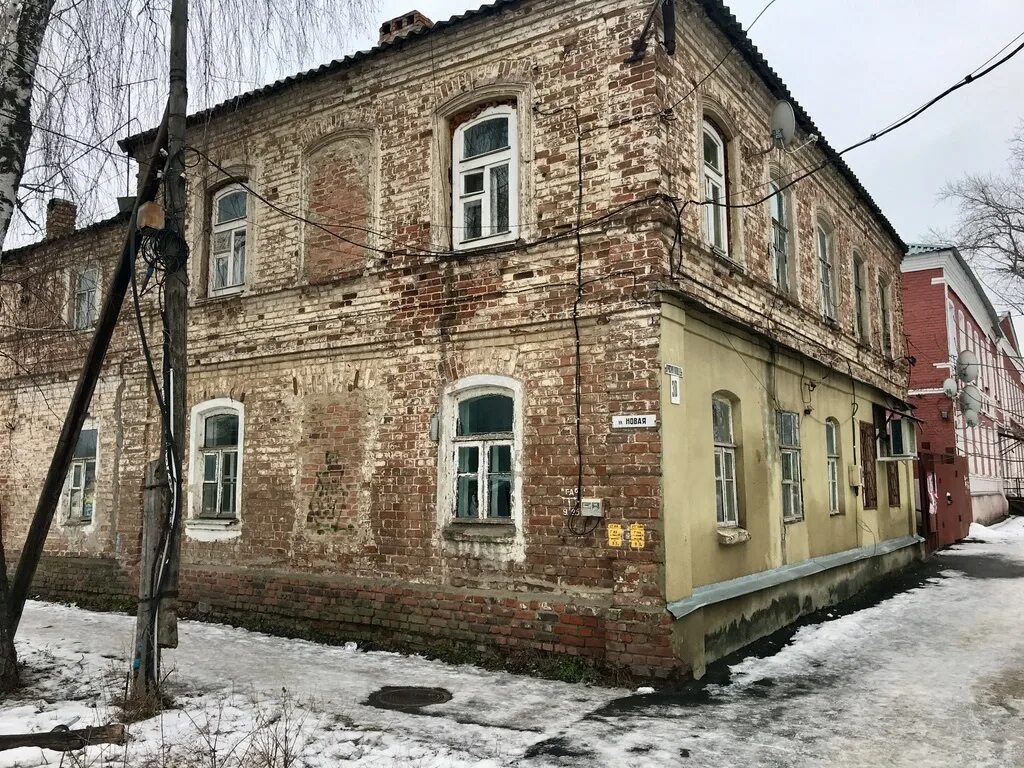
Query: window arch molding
[208, 187]
[478, 451]
[216, 463]
[519, 93]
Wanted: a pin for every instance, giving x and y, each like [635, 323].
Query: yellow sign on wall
[637, 536]
[614, 535]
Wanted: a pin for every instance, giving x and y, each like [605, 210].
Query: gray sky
[857, 65]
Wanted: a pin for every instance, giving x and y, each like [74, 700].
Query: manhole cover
[406, 698]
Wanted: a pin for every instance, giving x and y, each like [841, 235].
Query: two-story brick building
[445, 290]
[967, 472]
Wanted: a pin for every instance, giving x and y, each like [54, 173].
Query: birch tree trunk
[22, 27]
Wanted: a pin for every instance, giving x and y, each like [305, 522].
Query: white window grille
[725, 462]
[228, 245]
[716, 232]
[485, 179]
[779, 205]
[484, 456]
[84, 297]
[788, 427]
[82, 478]
[832, 468]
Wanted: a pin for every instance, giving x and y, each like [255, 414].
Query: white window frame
[457, 392]
[233, 229]
[197, 434]
[484, 164]
[727, 515]
[861, 314]
[71, 514]
[782, 235]
[885, 314]
[826, 269]
[91, 298]
[715, 214]
[832, 459]
[792, 487]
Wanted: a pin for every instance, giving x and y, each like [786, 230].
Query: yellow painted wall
[722, 358]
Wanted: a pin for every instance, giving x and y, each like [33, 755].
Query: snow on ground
[931, 677]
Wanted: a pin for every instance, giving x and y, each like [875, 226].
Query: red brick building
[412, 352]
[965, 473]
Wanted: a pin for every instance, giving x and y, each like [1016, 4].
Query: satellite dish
[783, 123]
[971, 417]
[970, 399]
[968, 366]
[949, 387]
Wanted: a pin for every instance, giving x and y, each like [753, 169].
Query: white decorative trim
[197, 527]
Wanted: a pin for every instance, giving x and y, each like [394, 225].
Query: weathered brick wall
[924, 316]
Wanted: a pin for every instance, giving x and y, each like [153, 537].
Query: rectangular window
[832, 465]
[725, 462]
[228, 243]
[826, 278]
[219, 459]
[485, 206]
[868, 465]
[716, 223]
[779, 208]
[788, 427]
[483, 453]
[860, 298]
[885, 316]
[82, 478]
[84, 297]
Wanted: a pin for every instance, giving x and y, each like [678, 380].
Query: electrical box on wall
[856, 476]
[592, 508]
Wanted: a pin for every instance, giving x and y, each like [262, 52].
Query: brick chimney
[403, 25]
[61, 218]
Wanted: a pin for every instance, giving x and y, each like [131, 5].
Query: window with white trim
[780, 205]
[85, 297]
[82, 478]
[951, 328]
[860, 298]
[826, 270]
[229, 226]
[485, 179]
[216, 469]
[788, 427]
[725, 461]
[832, 457]
[716, 220]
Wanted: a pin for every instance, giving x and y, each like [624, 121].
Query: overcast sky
[857, 65]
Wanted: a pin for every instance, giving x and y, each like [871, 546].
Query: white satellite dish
[970, 399]
[783, 123]
[949, 387]
[971, 417]
[968, 366]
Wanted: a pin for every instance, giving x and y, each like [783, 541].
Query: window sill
[497, 248]
[227, 293]
[791, 520]
[724, 263]
[496, 531]
[210, 529]
[729, 537]
[837, 514]
[78, 522]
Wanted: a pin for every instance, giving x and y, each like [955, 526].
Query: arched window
[81, 482]
[780, 206]
[229, 227]
[716, 192]
[483, 443]
[726, 505]
[826, 269]
[832, 456]
[485, 179]
[885, 314]
[860, 297]
[216, 468]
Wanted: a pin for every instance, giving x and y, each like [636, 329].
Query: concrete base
[989, 508]
[717, 630]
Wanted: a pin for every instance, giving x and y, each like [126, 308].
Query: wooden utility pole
[157, 625]
[155, 504]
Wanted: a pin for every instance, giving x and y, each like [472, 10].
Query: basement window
[82, 479]
[485, 179]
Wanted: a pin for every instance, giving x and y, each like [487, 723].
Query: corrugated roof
[716, 10]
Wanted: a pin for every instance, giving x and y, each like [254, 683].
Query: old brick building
[966, 472]
[414, 268]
